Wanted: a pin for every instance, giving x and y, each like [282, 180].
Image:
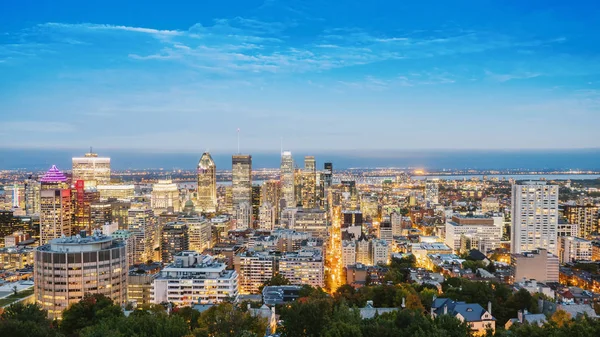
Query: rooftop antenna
[238, 140]
[91, 150]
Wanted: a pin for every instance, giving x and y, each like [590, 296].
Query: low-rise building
[140, 282]
[195, 278]
[303, 267]
[538, 265]
[572, 248]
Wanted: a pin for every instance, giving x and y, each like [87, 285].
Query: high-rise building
[32, 197]
[92, 169]
[380, 251]
[101, 213]
[267, 216]
[586, 216]
[194, 278]
[55, 206]
[431, 192]
[165, 197]
[287, 179]
[348, 253]
[313, 221]
[303, 267]
[241, 180]
[270, 192]
[123, 192]
[255, 202]
[207, 184]
[83, 198]
[68, 268]
[254, 269]
[173, 239]
[539, 265]
[308, 183]
[574, 249]
[199, 233]
[243, 214]
[142, 226]
[534, 217]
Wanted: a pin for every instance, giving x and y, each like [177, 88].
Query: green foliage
[276, 280]
[139, 323]
[89, 311]
[20, 320]
[226, 319]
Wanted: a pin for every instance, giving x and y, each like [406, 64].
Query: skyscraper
[55, 206]
[431, 192]
[93, 170]
[241, 180]
[287, 179]
[165, 197]
[309, 183]
[534, 217]
[207, 184]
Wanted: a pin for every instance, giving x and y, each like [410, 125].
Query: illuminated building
[127, 237]
[68, 268]
[486, 231]
[142, 226]
[195, 278]
[254, 270]
[574, 249]
[270, 192]
[387, 188]
[312, 221]
[267, 216]
[539, 265]
[15, 194]
[165, 197]
[13, 258]
[587, 217]
[308, 183]
[173, 239]
[348, 253]
[385, 231]
[303, 267]
[101, 213]
[379, 251]
[287, 179]
[241, 180]
[123, 192]
[55, 206]
[363, 251]
[140, 281]
[490, 205]
[32, 197]
[289, 240]
[207, 184]
[82, 201]
[93, 170]
[534, 217]
[349, 195]
[15, 238]
[431, 192]
[479, 321]
[243, 214]
[199, 233]
[396, 220]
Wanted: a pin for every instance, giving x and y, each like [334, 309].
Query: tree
[413, 302]
[225, 319]
[89, 311]
[276, 280]
[26, 320]
[560, 318]
[307, 317]
[139, 323]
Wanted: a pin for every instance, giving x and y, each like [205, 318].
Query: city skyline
[466, 75]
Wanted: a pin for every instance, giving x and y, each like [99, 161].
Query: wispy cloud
[104, 27]
[38, 127]
[512, 76]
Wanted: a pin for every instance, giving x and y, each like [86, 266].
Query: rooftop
[53, 175]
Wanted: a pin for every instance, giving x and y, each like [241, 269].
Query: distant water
[512, 176]
[588, 159]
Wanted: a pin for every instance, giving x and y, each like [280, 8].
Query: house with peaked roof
[478, 319]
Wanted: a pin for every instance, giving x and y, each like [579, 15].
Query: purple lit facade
[54, 175]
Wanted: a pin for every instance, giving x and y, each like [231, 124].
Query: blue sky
[321, 75]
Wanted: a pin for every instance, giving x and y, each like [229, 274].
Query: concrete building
[303, 267]
[432, 192]
[267, 215]
[124, 192]
[586, 216]
[68, 268]
[173, 239]
[380, 252]
[165, 197]
[534, 211]
[539, 265]
[140, 282]
[142, 226]
[313, 221]
[254, 269]
[574, 249]
[195, 278]
[199, 233]
[386, 231]
[241, 180]
[486, 231]
[90, 168]
[12, 258]
[243, 216]
[129, 239]
[348, 253]
[56, 213]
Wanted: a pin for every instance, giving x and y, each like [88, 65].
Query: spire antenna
[238, 140]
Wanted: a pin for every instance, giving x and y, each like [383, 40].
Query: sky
[183, 76]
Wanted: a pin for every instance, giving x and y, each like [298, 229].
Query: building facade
[68, 268]
[90, 168]
[534, 217]
[207, 184]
